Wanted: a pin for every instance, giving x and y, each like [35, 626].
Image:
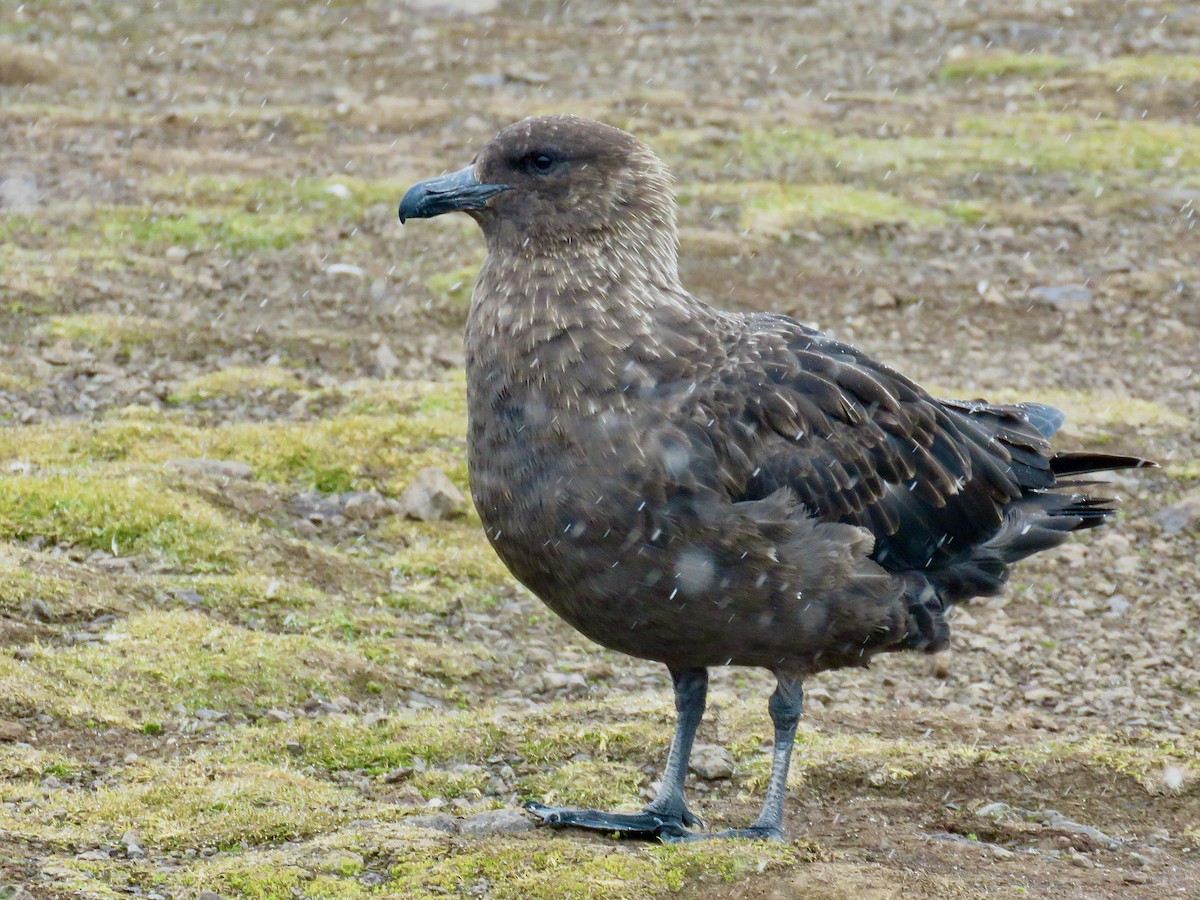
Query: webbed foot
[646, 824]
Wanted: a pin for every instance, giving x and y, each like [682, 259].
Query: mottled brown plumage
[702, 487]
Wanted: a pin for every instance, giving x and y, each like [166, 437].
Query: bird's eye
[540, 163]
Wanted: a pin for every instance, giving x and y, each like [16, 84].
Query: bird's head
[556, 181]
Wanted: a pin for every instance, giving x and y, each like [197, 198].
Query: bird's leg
[666, 816]
[785, 706]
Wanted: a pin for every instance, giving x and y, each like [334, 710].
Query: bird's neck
[533, 309]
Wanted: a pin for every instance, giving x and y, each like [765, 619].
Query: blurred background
[251, 639]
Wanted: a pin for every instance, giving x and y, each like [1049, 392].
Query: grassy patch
[415, 426]
[1150, 67]
[159, 659]
[1004, 64]
[183, 805]
[1024, 142]
[101, 330]
[147, 229]
[452, 290]
[237, 381]
[780, 209]
[121, 515]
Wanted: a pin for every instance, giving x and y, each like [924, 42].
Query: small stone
[226, 469]
[1180, 515]
[1063, 297]
[1116, 605]
[399, 774]
[882, 298]
[993, 810]
[11, 732]
[431, 497]
[1173, 778]
[711, 761]
[278, 715]
[294, 747]
[211, 715]
[209, 895]
[999, 852]
[386, 360]
[435, 822]
[496, 821]
[176, 254]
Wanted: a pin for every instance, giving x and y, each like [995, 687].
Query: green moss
[783, 208]
[1024, 142]
[125, 515]
[181, 805]
[237, 381]
[1150, 67]
[230, 230]
[157, 660]
[599, 784]
[338, 453]
[453, 288]
[1003, 64]
[103, 330]
[436, 736]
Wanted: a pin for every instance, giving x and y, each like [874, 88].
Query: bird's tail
[1038, 520]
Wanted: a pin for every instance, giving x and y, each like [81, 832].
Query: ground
[249, 675]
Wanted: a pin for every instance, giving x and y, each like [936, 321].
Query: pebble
[431, 497]
[496, 821]
[11, 732]
[278, 715]
[711, 761]
[1065, 297]
[226, 469]
[435, 822]
[1179, 515]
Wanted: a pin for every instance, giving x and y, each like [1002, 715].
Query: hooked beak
[459, 190]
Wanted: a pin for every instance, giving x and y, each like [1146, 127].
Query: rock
[431, 497]
[132, 842]
[711, 761]
[1116, 606]
[1065, 297]
[11, 731]
[994, 810]
[209, 895]
[496, 821]
[294, 747]
[18, 192]
[345, 268]
[435, 822]
[278, 715]
[226, 469]
[386, 360]
[397, 775]
[453, 7]
[1179, 515]
[882, 298]
[1173, 778]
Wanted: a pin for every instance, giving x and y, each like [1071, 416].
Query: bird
[707, 488]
